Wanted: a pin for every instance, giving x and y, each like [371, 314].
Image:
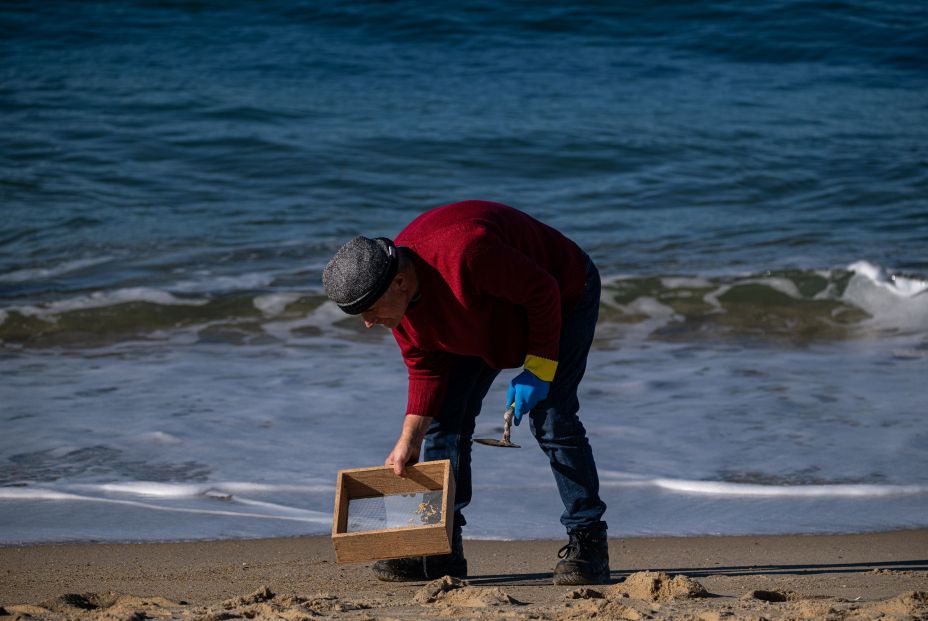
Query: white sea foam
[275, 303]
[326, 315]
[898, 285]
[894, 302]
[724, 488]
[145, 488]
[210, 283]
[245, 487]
[650, 307]
[44, 273]
[32, 493]
[157, 437]
[721, 488]
[186, 490]
[658, 315]
[102, 299]
[712, 298]
[292, 513]
[684, 282]
[783, 285]
[323, 317]
[618, 479]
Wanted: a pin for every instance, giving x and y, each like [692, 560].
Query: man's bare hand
[407, 449]
[403, 454]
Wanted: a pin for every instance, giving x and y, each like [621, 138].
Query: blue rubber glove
[526, 391]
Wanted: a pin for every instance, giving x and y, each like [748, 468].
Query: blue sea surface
[750, 178]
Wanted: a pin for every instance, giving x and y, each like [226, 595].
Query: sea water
[750, 180]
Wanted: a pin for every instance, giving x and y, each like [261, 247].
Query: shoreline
[469, 540]
[844, 571]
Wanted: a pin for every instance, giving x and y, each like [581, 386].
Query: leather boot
[419, 568]
[584, 560]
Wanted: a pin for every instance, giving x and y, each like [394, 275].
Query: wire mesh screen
[398, 511]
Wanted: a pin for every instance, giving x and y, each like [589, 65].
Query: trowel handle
[507, 422]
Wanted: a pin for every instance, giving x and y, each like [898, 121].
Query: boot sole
[384, 576]
[578, 579]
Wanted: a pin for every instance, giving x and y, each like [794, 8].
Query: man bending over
[469, 289]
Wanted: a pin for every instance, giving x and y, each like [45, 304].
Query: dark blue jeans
[554, 421]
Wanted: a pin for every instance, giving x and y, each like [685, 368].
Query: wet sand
[859, 576]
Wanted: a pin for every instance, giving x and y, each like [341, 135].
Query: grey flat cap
[360, 272]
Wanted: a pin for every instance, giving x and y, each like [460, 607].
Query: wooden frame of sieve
[373, 545]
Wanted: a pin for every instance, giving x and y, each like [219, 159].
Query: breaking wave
[786, 305]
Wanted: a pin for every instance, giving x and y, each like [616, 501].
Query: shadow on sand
[544, 579]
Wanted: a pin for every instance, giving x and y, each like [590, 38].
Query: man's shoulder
[456, 224]
[472, 212]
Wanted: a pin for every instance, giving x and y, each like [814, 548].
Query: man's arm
[407, 449]
[428, 377]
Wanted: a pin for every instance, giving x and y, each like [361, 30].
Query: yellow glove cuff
[542, 368]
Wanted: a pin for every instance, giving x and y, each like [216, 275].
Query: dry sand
[865, 576]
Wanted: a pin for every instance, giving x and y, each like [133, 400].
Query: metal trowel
[507, 429]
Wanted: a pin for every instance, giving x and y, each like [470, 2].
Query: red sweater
[494, 283]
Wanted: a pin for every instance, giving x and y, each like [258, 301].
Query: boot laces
[575, 545]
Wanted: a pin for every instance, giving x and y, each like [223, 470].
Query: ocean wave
[104, 299]
[291, 514]
[798, 306]
[611, 479]
[52, 271]
[235, 489]
[894, 302]
[184, 490]
[127, 493]
[275, 304]
[200, 496]
[106, 318]
[210, 283]
[723, 488]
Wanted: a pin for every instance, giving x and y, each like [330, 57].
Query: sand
[836, 577]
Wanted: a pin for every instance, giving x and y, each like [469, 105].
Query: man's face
[389, 309]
